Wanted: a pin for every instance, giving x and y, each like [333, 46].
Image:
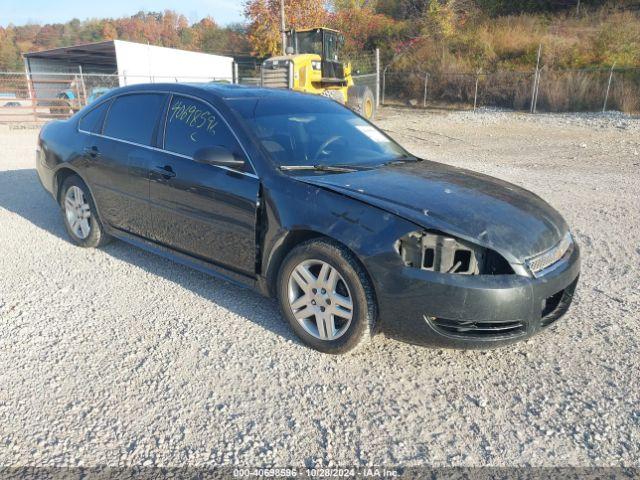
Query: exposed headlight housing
[316, 64]
[435, 252]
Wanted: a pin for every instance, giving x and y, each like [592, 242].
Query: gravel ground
[119, 357]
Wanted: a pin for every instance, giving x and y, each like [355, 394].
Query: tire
[360, 99]
[61, 109]
[81, 207]
[349, 282]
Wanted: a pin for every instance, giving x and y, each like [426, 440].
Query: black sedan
[302, 199]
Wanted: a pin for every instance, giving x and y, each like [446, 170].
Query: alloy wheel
[320, 299]
[78, 212]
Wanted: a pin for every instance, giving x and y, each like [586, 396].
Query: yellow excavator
[312, 64]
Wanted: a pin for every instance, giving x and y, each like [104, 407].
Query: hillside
[439, 37]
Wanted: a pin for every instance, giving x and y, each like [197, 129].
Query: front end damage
[471, 262]
[452, 293]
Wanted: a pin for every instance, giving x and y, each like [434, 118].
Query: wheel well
[61, 176]
[292, 240]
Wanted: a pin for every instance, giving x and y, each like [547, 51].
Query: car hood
[481, 209]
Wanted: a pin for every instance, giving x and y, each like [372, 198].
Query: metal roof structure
[99, 54]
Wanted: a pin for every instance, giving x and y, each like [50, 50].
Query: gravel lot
[119, 357]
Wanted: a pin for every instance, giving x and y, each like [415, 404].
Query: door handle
[93, 151]
[166, 171]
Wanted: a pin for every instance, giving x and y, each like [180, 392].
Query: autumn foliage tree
[445, 35]
[168, 29]
[264, 21]
[364, 29]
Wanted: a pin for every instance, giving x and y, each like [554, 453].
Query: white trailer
[113, 63]
[138, 63]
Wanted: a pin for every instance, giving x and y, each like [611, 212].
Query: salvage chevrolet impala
[302, 199]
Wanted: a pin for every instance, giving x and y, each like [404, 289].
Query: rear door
[120, 159]
[200, 209]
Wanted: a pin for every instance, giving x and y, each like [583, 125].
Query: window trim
[217, 112]
[252, 174]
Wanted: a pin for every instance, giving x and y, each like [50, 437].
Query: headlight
[541, 262]
[435, 252]
[316, 65]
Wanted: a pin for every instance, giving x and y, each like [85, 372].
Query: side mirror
[289, 50]
[219, 156]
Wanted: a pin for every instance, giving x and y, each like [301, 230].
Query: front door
[203, 210]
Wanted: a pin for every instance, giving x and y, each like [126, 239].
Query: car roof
[221, 91]
[247, 101]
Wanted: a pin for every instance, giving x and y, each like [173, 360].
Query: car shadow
[22, 194]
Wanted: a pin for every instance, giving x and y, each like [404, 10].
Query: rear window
[92, 121]
[134, 117]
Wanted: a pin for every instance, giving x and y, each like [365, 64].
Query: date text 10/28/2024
[368, 472]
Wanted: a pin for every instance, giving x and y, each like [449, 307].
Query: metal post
[384, 83]
[283, 28]
[606, 97]
[377, 77]
[535, 79]
[475, 96]
[236, 78]
[535, 98]
[84, 88]
[30, 88]
[426, 84]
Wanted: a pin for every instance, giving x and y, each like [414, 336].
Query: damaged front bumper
[473, 311]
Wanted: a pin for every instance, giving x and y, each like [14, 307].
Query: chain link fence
[546, 90]
[42, 96]
[38, 97]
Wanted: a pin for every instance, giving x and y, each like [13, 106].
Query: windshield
[309, 42]
[327, 136]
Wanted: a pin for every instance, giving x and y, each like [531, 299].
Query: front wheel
[327, 297]
[80, 217]
[361, 100]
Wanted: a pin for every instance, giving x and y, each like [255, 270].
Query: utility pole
[283, 28]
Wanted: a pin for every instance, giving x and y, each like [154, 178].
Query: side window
[92, 121]
[192, 125]
[134, 117]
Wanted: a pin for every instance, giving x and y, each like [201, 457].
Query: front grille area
[275, 75]
[479, 329]
[543, 261]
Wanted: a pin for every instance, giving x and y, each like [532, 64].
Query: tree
[441, 18]
[342, 5]
[9, 55]
[364, 29]
[264, 21]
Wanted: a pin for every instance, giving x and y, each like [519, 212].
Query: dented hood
[484, 210]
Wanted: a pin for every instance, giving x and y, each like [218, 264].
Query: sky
[19, 12]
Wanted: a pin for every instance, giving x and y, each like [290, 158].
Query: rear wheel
[361, 100]
[326, 296]
[62, 107]
[80, 217]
